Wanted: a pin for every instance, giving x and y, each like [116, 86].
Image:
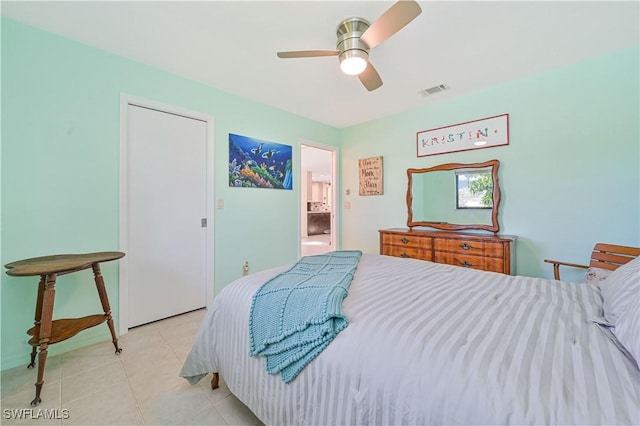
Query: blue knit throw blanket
[296, 314]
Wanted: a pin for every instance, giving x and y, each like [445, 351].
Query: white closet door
[166, 159]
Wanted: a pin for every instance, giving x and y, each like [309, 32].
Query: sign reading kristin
[484, 133]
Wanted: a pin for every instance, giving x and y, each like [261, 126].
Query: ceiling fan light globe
[353, 66]
[353, 62]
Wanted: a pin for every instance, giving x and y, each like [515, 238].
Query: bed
[429, 343]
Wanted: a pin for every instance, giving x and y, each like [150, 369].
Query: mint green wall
[60, 172]
[570, 176]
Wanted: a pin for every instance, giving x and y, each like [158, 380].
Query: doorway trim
[125, 101]
[334, 192]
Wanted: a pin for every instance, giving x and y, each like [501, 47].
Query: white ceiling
[232, 46]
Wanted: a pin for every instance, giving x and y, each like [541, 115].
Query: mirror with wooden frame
[454, 196]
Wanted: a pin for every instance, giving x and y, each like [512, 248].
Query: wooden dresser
[487, 252]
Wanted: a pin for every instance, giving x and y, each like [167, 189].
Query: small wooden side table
[47, 331]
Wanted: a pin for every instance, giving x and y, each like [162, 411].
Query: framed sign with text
[370, 171]
[484, 133]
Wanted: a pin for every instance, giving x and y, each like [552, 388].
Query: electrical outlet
[220, 203]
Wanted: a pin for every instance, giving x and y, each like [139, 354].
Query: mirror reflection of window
[435, 199]
[474, 189]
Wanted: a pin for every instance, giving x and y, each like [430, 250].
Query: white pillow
[627, 330]
[619, 289]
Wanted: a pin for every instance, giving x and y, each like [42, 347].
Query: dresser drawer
[486, 252]
[495, 264]
[406, 241]
[407, 252]
[470, 247]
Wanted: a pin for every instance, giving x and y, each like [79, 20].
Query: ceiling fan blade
[391, 21]
[370, 78]
[307, 53]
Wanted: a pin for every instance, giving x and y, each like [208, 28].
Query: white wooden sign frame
[477, 134]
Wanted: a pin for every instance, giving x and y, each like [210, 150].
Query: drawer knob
[465, 264]
[405, 255]
[465, 246]
[404, 240]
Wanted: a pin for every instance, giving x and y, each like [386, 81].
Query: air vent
[434, 89]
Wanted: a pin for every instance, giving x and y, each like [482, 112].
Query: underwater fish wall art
[254, 163]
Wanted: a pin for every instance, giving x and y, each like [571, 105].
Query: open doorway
[318, 200]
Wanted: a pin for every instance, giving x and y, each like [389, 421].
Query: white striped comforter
[434, 344]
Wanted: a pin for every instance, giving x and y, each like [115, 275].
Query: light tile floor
[93, 386]
[316, 244]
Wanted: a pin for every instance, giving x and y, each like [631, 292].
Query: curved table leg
[32, 362]
[104, 300]
[37, 316]
[46, 317]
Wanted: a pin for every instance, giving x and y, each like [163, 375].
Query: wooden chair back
[609, 256]
[604, 256]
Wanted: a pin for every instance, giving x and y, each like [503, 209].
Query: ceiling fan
[356, 37]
